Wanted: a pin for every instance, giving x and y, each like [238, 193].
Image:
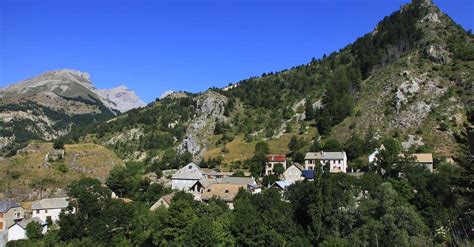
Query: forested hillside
[411, 78]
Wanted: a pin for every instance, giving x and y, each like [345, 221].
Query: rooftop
[62, 202]
[24, 223]
[308, 174]
[226, 192]
[7, 205]
[325, 156]
[276, 158]
[282, 184]
[424, 158]
[237, 180]
[190, 171]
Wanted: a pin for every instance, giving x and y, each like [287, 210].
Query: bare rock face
[412, 141]
[211, 106]
[437, 53]
[415, 97]
[123, 98]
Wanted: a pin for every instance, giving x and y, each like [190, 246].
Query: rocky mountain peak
[122, 97]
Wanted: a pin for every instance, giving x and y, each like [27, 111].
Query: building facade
[337, 161]
[10, 212]
[293, 173]
[272, 160]
[49, 208]
[186, 177]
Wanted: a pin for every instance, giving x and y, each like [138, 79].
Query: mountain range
[51, 104]
[410, 78]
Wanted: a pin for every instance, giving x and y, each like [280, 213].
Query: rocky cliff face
[123, 98]
[210, 110]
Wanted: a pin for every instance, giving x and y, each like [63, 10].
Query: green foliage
[129, 181]
[332, 145]
[34, 230]
[58, 144]
[61, 167]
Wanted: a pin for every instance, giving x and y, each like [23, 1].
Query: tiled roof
[62, 202]
[276, 158]
[424, 158]
[237, 180]
[190, 171]
[325, 156]
[6, 205]
[226, 192]
[168, 198]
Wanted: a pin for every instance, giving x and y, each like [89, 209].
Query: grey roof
[50, 203]
[7, 204]
[24, 223]
[237, 180]
[190, 171]
[204, 182]
[299, 166]
[325, 156]
[282, 184]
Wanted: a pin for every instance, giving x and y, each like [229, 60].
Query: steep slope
[409, 78]
[123, 98]
[48, 106]
[29, 175]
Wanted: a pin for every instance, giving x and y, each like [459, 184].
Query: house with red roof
[272, 160]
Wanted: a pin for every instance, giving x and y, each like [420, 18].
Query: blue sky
[153, 46]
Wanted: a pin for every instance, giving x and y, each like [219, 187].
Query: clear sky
[153, 46]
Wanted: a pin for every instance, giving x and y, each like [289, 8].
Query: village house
[337, 161]
[10, 212]
[227, 189]
[293, 173]
[272, 160]
[373, 156]
[424, 159]
[254, 188]
[199, 186]
[281, 185]
[49, 208]
[164, 201]
[186, 177]
[18, 230]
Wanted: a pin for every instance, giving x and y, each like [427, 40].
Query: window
[45, 211]
[208, 190]
[37, 211]
[226, 191]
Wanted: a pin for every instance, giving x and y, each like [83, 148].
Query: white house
[337, 161]
[186, 177]
[272, 160]
[18, 230]
[373, 156]
[49, 208]
[293, 173]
